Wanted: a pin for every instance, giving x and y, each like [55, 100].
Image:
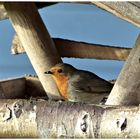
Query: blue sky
[79, 22]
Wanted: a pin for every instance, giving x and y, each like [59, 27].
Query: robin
[79, 85]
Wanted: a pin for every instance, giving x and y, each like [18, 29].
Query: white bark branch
[42, 119]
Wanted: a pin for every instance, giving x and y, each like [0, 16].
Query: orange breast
[62, 84]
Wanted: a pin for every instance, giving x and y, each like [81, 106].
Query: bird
[77, 85]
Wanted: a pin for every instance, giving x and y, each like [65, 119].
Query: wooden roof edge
[128, 11]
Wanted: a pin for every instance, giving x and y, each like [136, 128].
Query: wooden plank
[36, 41]
[12, 88]
[129, 11]
[69, 48]
[21, 87]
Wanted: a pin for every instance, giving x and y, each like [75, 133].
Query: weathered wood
[3, 13]
[68, 48]
[21, 87]
[36, 41]
[129, 11]
[42, 119]
[14, 88]
[126, 90]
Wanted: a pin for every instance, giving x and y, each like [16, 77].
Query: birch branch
[42, 119]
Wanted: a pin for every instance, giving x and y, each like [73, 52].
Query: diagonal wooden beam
[126, 90]
[129, 11]
[36, 41]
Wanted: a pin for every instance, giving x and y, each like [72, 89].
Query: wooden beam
[126, 90]
[129, 11]
[36, 41]
[69, 48]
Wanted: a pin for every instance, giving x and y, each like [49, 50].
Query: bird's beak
[48, 72]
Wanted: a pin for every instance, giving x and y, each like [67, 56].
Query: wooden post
[35, 40]
[126, 90]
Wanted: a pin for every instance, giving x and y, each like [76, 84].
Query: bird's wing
[88, 82]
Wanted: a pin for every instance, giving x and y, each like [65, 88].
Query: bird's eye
[60, 71]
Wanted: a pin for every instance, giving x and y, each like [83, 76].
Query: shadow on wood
[24, 87]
